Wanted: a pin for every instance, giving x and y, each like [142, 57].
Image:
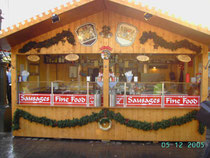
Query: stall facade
[57, 91]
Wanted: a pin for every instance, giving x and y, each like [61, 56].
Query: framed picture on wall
[126, 34]
[73, 71]
[87, 34]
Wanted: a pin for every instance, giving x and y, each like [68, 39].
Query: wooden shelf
[57, 59]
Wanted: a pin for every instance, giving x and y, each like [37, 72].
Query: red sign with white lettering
[119, 100]
[131, 100]
[75, 99]
[181, 101]
[147, 100]
[35, 99]
[139, 100]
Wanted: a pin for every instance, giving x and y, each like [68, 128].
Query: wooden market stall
[57, 98]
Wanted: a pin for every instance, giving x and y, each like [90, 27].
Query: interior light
[33, 58]
[184, 58]
[142, 58]
[55, 18]
[72, 57]
[147, 16]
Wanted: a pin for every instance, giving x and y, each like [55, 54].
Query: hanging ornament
[142, 58]
[72, 57]
[184, 58]
[105, 123]
[105, 33]
[33, 58]
[105, 52]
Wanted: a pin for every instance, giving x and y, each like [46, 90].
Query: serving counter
[124, 94]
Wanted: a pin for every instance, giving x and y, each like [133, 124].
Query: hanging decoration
[184, 58]
[126, 34]
[33, 58]
[105, 52]
[111, 115]
[86, 34]
[65, 34]
[72, 57]
[105, 123]
[142, 58]
[105, 33]
[159, 41]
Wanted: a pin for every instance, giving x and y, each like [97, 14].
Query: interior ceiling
[92, 8]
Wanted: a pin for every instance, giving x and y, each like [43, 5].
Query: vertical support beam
[125, 96]
[185, 70]
[14, 81]
[88, 94]
[163, 93]
[106, 64]
[145, 69]
[204, 81]
[195, 65]
[47, 72]
[52, 95]
[106, 83]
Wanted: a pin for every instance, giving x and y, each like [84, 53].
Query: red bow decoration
[126, 121]
[106, 48]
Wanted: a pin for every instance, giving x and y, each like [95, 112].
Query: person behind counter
[100, 75]
[111, 75]
[8, 73]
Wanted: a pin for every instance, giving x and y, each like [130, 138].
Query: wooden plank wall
[187, 132]
[111, 19]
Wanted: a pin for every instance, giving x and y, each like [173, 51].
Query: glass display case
[122, 94]
[58, 93]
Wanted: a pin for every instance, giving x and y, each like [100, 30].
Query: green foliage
[95, 117]
[49, 42]
[104, 120]
[159, 41]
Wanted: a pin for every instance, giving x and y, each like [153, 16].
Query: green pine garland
[95, 117]
[159, 41]
[49, 42]
[104, 120]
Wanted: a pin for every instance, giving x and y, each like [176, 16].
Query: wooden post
[106, 83]
[13, 81]
[185, 71]
[195, 65]
[204, 81]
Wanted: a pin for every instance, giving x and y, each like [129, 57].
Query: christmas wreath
[105, 123]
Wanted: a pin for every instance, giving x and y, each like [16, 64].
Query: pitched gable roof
[72, 12]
